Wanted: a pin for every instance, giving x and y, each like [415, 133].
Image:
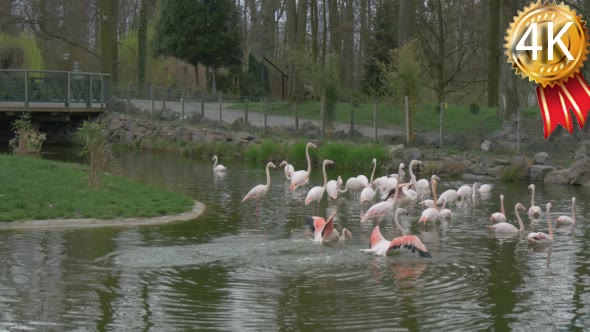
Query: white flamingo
[485, 189]
[333, 187]
[422, 185]
[381, 209]
[258, 192]
[541, 238]
[431, 214]
[353, 185]
[315, 194]
[449, 196]
[218, 168]
[504, 227]
[288, 169]
[566, 220]
[300, 178]
[534, 211]
[499, 216]
[464, 191]
[380, 246]
[444, 212]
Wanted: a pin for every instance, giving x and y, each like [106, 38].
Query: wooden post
[407, 106]
[128, 98]
[246, 111]
[220, 107]
[202, 104]
[26, 89]
[296, 116]
[264, 115]
[375, 117]
[440, 125]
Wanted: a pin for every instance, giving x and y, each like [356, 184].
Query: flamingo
[380, 246]
[499, 216]
[407, 196]
[431, 214]
[353, 184]
[485, 189]
[445, 213]
[534, 211]
[333, 187]
[368, 194]
[541, 238]
[323, 230]
[316, 194]
[288, 169]
[427, 203]
[381, 209]
[474, 191]
[566, 220]
[218, 168]
[422, 185]
[464, 191]
[258, 192]
[504, 227]
[449, 196]
[300, 178]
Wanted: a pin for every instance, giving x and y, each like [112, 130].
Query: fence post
[202, 104]
[220, 107]
[407, 107]
[322, 116]
[152, 97]
[26, 89]
[440, 138]
[68, 88]
[246, 111]
[375, 117]
[296, 116]
[101, 90]
[128, 98]
[91, 81]
[518, 131]
[264, 115]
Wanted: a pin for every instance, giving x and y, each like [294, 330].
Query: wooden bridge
[52, 96]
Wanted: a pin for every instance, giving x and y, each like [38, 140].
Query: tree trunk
[334, 26]
[314, 29]
[363, 42]
[106, 43]
[115, 42]
[324, 30]
[441, 54]
[406, 21]
[508, 102]
[348, 46]
[142, 44]
[493, 52]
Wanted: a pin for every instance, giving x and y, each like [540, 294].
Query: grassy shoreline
[34, 189]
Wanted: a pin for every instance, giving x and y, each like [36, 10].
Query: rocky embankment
[485, 165]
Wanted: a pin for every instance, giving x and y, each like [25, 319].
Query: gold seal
[547, 43]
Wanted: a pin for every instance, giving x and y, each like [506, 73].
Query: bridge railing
[49, 86]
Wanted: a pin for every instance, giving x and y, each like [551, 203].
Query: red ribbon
[557, 101]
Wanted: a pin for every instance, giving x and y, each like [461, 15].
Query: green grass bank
[33, 189]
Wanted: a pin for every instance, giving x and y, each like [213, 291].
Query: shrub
[93, 137]
[26, 139]
[474, 108]
[513, 173]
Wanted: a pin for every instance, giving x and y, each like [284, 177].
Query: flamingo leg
[257, 208]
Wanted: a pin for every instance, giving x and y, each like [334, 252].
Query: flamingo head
[434, 178]
[374, 161]
[501, 197]
[283, 163]
[339, 181]
[531, 187]
[214, 158]
[328, 162]
[520, 207]
[573, 200]
[311, 145]
[548, 207]
[271, 164]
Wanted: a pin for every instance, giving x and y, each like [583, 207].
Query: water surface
[228, 270]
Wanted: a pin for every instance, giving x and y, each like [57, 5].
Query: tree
[494, 52]
[405, 77]
[142, 42]
[508, 101]
[199, 31]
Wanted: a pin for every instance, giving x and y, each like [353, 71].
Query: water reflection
[229, 271]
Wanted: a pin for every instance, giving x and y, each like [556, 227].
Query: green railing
[48, 86]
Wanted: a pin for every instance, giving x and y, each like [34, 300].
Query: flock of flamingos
[395, 195]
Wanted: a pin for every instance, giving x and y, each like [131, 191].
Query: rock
[476, 177]
[395, 149]
[414, 154]
[476, 169]
[581, 152]
[498, 162]
[238, 124]
[485, 146]
[542, 158]
[496, 170]
[126, 137]
[538, 172]
[557, 177]
[580, 172]
[115, 125]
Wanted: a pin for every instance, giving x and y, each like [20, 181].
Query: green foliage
[513, 173]
[405, 77]
[25, 42]
[26, 139]
[352, 156]
[258, 82]
[474, 108]
[199, 31]
[34, 188]
[93, 137]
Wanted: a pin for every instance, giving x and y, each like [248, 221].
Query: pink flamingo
[333, 187]
[300, 178]
[380, 246]
[216, 167]
[288, 169]
[381, 209]
[315, 194]
[431, 214]
[566, 220]
[540, 237]
[504, 227]
[499, 216]
[258, 192]
[323, 231]
[534, 211]
[444, 212]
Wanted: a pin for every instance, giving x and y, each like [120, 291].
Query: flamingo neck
[325, 176]
[434, 193]
[532, 196]
[412, 176]
[397, 224]
[573, 211]
[308, 160]
[502, 205]
[473, 192]
[373, 173]
[518, 218]
[267, 178]
[549, 224]
[214, 162]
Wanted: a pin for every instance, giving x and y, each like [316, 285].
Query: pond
[229, 270]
